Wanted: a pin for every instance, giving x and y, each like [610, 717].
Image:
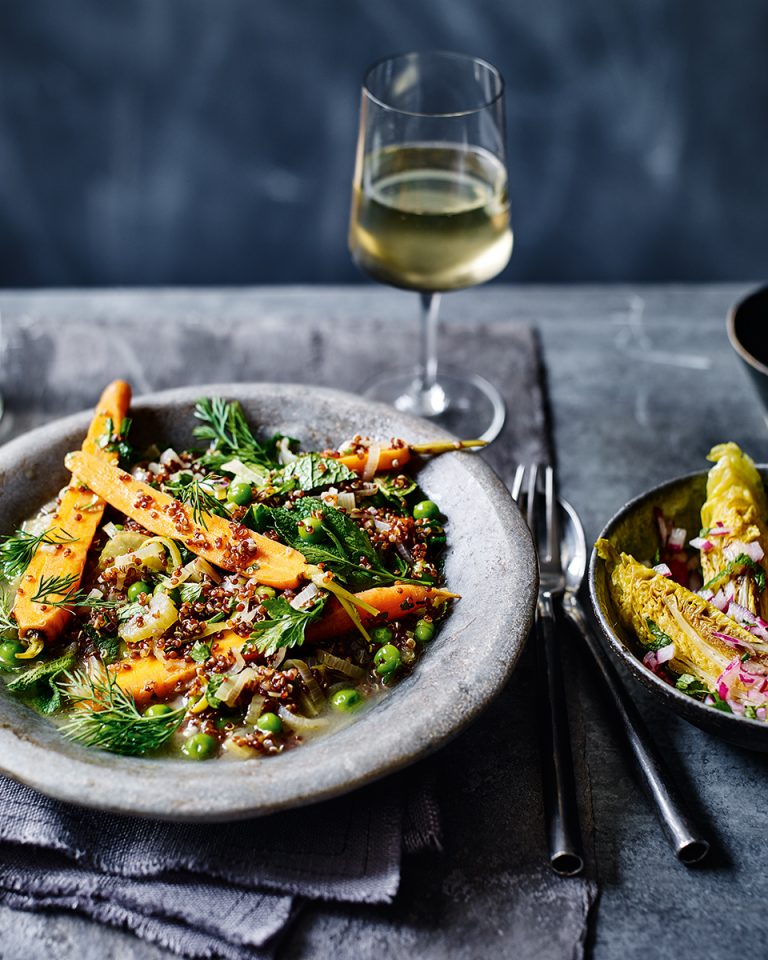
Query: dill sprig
[17, 550]
[51, 588]
[196, 496]
[107, 718]
[224, 426]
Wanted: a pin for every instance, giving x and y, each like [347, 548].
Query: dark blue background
[211, 141]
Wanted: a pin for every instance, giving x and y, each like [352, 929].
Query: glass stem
[430, 308]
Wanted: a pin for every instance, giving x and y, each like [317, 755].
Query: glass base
[467, 405]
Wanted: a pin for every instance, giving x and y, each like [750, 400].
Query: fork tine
[517, 483]
[553, 525]
[533, 475]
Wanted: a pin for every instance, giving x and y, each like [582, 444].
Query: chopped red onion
[676, 539]
[760, 713]
[737, 547]
[663, 569]
[665, 653]
[701, 543]
[735, 642]
[720, 601]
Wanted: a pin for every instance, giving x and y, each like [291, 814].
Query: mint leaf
[310, 472]
[190, 592]
[47, 670]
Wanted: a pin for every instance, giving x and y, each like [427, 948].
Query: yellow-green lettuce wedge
[662, 612]
[734, 521]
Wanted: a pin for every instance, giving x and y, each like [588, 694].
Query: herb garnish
[108, 718]
[61, 587]
[347, 549]
[16, 551]
[660, 639]
[116, 441]
[310, 471]
[737, 565]
[38, 685]
[197, 496]
[200, 651]
[224, 425]
[690, 685]
[286, 627]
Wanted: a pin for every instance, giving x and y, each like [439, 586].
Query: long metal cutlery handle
[687, 842]
[561, 806]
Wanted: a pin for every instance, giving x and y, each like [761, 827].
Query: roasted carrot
[400, 600]
[78, 516]
[230, 546]
[393, 458]
[149, 679]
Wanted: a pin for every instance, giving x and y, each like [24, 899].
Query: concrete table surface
[642, 383]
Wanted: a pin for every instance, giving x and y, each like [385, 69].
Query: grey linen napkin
[210, 890]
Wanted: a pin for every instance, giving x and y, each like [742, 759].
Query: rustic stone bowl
[490, 562]
[633, 530]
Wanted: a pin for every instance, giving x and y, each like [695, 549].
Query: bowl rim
[738, 346]
[73, 779]
[619, 649]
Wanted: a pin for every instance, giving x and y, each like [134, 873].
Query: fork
[561, 809]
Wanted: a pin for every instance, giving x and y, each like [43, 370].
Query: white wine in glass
[430, 212]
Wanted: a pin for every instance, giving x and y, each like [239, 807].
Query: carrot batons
[149, 679]
[78, 515]
[230, 546]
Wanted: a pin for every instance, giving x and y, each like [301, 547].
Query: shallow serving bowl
[633, 530]
[490, 562]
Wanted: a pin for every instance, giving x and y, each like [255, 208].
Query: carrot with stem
[393, 458]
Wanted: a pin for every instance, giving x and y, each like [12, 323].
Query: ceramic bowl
[747, 327]
[490, 562]
[633, 530]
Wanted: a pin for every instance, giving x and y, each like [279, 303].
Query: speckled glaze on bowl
[491, 563]
[633, 530]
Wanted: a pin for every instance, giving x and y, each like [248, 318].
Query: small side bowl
[633, 530]
[747, 326]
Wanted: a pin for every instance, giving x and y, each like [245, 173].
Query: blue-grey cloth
[209, 890]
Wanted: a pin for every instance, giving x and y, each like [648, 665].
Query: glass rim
[390, 58]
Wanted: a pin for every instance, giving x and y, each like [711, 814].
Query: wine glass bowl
[430, 211]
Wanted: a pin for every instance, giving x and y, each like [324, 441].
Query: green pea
[135, 589]
[311, 529]
[426, 510]
[346, 699]
[240, 493]
[387, 660]
[382, 635]
[269, 723]
[201, 746]
[8, 651]
[157, 710]
[425, 631]
[119, 526]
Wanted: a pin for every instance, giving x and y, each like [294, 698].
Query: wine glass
[430, 213]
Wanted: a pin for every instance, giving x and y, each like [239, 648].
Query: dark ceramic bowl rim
[32, 752]
[670, 696]
[733, 338]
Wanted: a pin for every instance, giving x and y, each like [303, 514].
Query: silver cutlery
[684, 836]
[560, 803]
[686, 840]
